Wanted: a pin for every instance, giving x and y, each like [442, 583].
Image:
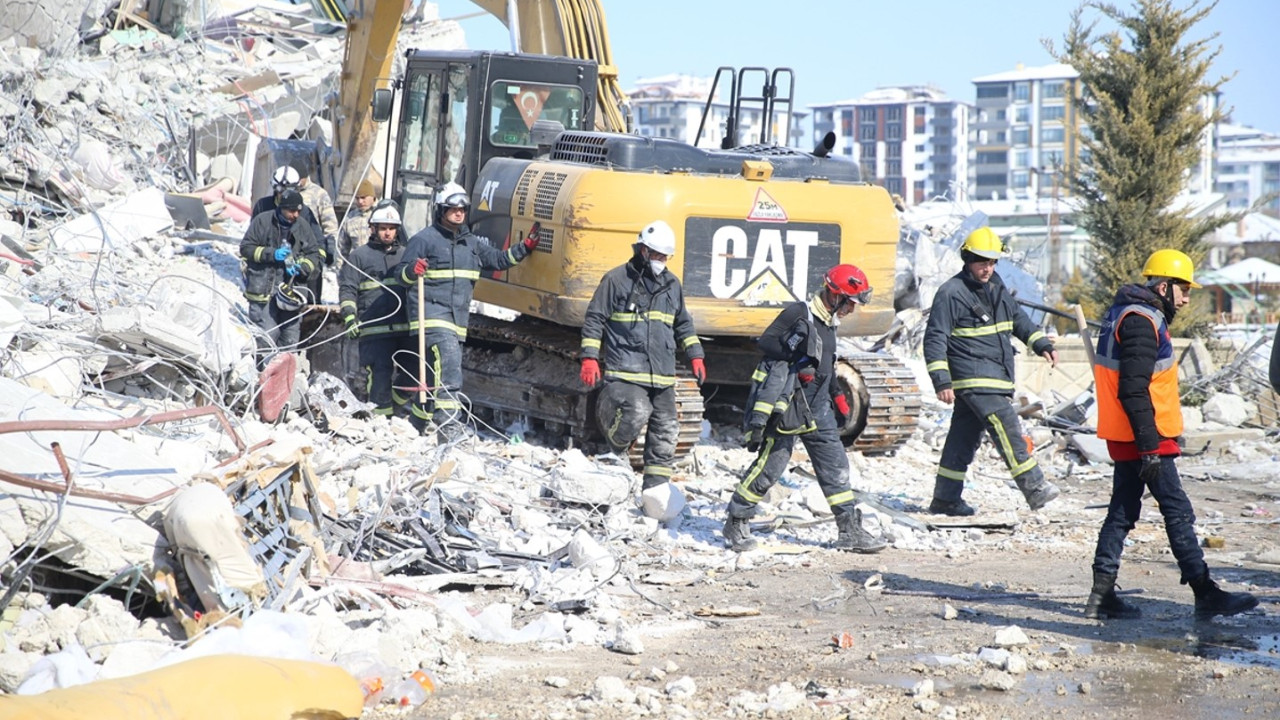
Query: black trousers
[974, 414]
[625, 409]
[1126, 508]
[826, 452]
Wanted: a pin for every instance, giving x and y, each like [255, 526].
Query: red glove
[699, 370]
[842, 407]
[590, 372]
[531, 240]
[419, 268]
[805, 376]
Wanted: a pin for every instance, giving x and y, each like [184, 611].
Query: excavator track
[885, 401]
[527, 369]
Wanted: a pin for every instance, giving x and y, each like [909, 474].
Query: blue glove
[282, 253]
[292, 270]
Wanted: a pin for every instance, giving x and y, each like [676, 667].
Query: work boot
[855, 538]
[1040, 494]
[1212, 600]
[1103, 603]
[954, 508]
[737, 534]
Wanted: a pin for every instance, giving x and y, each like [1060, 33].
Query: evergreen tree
[1143, 95]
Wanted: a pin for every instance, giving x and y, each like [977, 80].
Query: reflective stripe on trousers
[624, 410]
[826, 452]
[972, 414]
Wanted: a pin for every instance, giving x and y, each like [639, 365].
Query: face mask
[657, 266]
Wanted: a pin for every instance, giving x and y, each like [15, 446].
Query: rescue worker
[372, 299]
[1135, 372]
[318, 201]
[279, 248]
[969, 356]
[449, 258]
[287, 178]
[355, 229]
[794, 394]
[635, 321]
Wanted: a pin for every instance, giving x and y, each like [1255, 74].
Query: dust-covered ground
[914, 624]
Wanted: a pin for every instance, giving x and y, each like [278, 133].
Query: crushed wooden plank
[726, 611]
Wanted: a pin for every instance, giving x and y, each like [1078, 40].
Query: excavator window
[422, 124]
[516, 106]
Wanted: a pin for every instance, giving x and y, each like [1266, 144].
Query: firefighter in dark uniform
[1135, 372]
[449, 258]
[278, 250]
[794, 394]
[969, 356]
[372, 299]
[635, 321]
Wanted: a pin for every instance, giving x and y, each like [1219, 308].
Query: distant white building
[671, 106]
[1026, 132]
[1248, 167]
[913, 140]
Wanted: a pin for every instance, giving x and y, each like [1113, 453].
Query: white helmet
[284, 177]
[452, 195]
[658, 236]
[385, 215]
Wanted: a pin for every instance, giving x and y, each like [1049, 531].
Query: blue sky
[840, 49]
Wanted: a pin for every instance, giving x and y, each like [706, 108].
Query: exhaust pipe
[824, 148]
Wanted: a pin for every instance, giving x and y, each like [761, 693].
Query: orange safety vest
[1113, 423]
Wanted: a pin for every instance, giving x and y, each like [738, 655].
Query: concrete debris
[151, 511]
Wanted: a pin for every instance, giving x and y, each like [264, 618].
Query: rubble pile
[148, 517]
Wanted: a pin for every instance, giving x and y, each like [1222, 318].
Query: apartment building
[1248, 167]
[913, 140]
[1026, 132]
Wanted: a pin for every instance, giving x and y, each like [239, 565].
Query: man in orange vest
[1135, 374]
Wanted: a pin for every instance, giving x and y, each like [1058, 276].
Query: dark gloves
[842, 409]
[1150, 468]
[330, 251]
[531, 240]
[753, 438]
[353, 327]
[699, 370]
[590, 372]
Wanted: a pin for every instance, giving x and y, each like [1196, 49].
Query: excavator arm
[373, 27]
[567, 28]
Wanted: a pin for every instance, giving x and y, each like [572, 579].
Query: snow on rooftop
[1043, 72]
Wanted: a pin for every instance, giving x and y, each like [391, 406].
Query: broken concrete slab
[117, 225]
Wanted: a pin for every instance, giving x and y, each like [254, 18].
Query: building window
[867, 150]
[942, 131]
[893, 113]
[893, 185]
[893, 150]
[1053, 89]
[1021, 136]
[919, 167]
[867, 132]
[1019, 179]
[942, 150]
[999, 137]
[1001, 115]
[868, 170]
[867, 114]
[1022, 114]
[920, 148]
[992, 91]
[919, 113]
[893, 131]
[1052, 134]
[1050, 158]
[942, 112]
[1021, 158]
[1052, 112]
[992, 157]
[1021, 92]
[991, 179]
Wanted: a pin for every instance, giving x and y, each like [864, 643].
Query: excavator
[539, 138]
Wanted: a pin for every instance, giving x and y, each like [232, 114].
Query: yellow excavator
[540, 137]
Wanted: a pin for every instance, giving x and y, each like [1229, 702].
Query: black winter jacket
[261, 270]
[801, 337]
[640, 321]
[454, 262]
[967, 342]
[370, 290]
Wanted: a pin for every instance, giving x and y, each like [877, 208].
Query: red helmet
[849, 281]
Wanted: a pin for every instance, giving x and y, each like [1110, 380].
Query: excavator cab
[459, 110]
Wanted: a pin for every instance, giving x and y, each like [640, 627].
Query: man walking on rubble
[1135, 372]
[278, 249]
[794, 394]
[373, 309]
[969, 356]
[635, 321]
[449, 257]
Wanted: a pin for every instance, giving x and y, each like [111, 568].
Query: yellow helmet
[1170, 263]
[984, 243]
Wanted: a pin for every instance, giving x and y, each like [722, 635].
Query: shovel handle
[422, 349]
